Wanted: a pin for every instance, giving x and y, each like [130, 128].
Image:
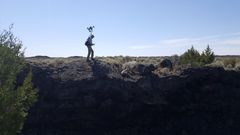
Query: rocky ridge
[76, 97]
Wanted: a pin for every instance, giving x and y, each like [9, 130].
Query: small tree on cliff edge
[195, 59]
[191, 56]
[15, 100]
[207, 56]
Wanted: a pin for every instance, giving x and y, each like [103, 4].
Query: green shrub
[207, 56]
[193, 58]
[15, 100]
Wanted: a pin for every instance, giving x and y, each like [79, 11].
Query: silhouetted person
[89, 45]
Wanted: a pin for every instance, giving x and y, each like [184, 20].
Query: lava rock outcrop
[80, 98]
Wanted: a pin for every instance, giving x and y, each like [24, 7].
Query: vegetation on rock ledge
[15, 99]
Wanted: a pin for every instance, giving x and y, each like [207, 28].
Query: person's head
[92, 36]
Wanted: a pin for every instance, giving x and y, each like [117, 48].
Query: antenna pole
[90, 29]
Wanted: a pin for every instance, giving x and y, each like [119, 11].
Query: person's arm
[92, 42]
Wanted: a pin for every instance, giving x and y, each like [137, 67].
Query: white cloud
[177, 41]
[186, 41]
[235, 34]
[227, 39]
[225, 44]
[231, 42]
[141, 47]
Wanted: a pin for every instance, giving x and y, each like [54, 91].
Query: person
[89, 45]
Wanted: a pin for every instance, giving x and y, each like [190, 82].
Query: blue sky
[57, 28]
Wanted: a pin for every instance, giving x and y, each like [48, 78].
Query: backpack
[87, 43]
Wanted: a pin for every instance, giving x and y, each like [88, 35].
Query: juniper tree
[15, 100]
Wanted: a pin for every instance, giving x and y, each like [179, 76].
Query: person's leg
[89, 51]
[92, 53]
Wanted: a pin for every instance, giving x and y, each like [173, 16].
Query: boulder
[134, 68]
[166, 63]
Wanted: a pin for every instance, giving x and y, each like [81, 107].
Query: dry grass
[228, 62]
[53, 61]
[121, 60]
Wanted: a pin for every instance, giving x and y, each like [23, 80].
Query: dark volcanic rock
[79, 98]
[166, 63]
[133, 68]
